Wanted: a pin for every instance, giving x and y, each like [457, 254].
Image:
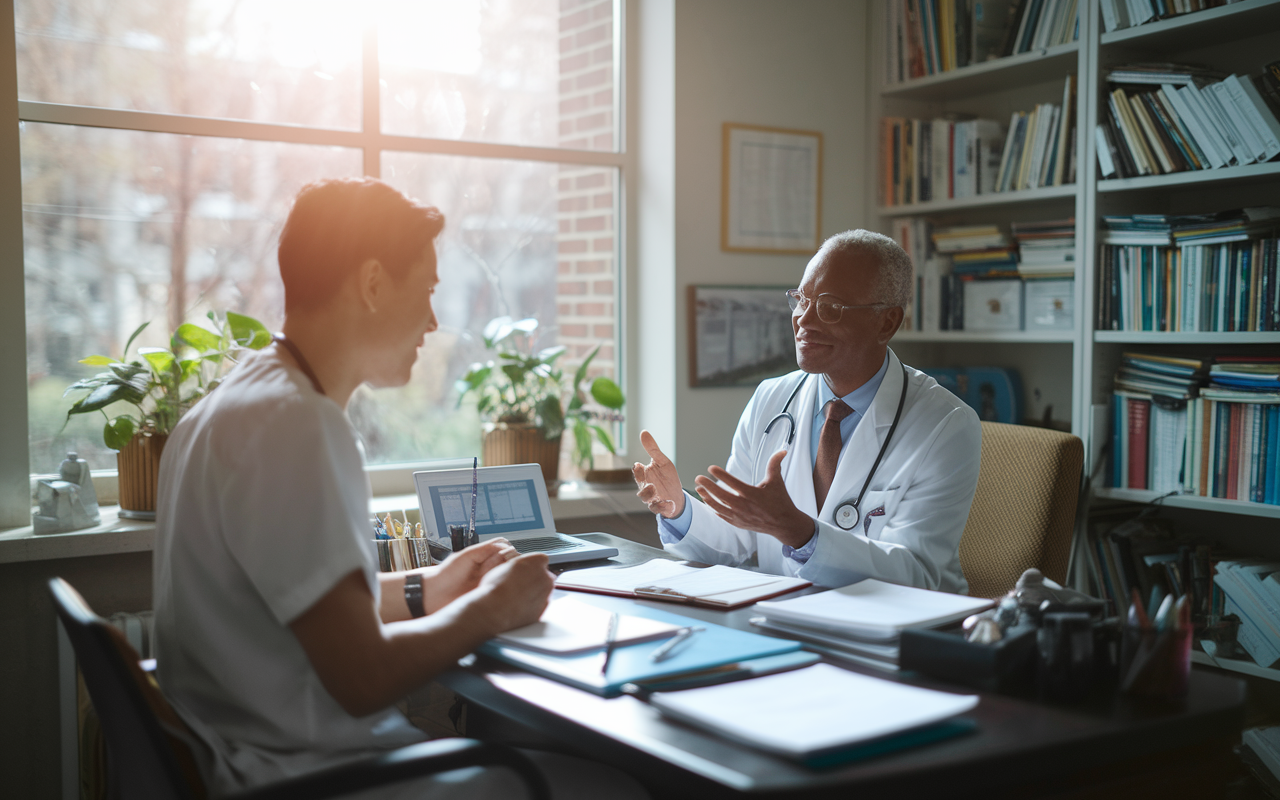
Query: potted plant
[523, 395]
[161, 384]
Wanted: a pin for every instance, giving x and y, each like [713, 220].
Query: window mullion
[371, 99]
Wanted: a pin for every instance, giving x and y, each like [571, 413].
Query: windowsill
[117, 535]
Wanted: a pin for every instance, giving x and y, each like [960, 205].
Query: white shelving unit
[1238, 37]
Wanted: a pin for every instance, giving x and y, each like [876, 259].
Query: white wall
[797, 64]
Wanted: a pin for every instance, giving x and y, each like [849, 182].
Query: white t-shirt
[262, 508]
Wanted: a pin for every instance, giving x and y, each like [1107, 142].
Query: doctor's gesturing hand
[658, 483]
[765, 507]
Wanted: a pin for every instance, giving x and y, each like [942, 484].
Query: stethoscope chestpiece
[847, 516]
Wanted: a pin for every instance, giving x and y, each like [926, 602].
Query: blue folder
[714, 647]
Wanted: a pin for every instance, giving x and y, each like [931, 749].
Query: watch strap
[413, 594]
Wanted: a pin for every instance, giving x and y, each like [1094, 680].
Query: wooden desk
[1020, 748]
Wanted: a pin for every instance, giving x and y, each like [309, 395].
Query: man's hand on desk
[461, 572]
[658, 482]
[511, 595]
[765, 507]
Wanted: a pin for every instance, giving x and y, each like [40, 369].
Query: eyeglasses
[829, 311]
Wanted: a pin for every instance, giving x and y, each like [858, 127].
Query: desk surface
[1017, 742]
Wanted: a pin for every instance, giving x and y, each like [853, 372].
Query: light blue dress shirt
[860, 399]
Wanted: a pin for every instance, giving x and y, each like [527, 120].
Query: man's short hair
[893, 262]
[338, 224]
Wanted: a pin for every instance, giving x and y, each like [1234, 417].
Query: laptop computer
[511, 502]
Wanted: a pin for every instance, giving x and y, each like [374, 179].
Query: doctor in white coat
[814, 504]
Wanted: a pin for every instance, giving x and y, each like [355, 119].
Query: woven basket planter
[507, 443]
[139, 469]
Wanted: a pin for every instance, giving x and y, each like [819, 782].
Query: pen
[610, 635]
[664, 651]
[471, 525]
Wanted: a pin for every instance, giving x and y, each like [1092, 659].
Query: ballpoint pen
[664, 651]
[471, 525]
[610, 636]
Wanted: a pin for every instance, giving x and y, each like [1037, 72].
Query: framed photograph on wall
[739, 335]
[771, 190]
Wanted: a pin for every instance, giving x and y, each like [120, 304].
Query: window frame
[386, 479]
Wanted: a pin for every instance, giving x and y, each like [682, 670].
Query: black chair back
[140, 762]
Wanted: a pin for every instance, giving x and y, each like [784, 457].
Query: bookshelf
[1073, 370]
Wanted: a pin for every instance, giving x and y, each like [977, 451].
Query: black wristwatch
[413, 594]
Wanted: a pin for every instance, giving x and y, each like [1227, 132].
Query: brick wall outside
[586, 269]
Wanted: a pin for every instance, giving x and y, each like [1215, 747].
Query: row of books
[1193, 282]
[1168, 118]
[1181, 425]
[1142, 556]
[1117, 14]
[942, 159]
[926, 37]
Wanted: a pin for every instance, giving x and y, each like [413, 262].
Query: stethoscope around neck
[847, 513]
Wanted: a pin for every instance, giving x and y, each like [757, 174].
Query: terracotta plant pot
[139, 468]
[508, 443]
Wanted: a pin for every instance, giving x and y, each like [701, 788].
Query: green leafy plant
[522, 386]
[163, 383]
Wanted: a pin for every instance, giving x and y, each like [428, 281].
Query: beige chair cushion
[1024, 509]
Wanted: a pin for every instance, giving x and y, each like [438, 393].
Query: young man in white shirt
[277, 639]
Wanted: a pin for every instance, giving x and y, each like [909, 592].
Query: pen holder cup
[1155, 663]
[396, 555]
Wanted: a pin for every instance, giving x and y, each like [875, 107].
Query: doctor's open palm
[657, 482]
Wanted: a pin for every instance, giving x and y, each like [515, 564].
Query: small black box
[1006, 665]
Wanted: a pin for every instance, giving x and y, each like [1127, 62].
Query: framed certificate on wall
[739, 335]
[771, 190]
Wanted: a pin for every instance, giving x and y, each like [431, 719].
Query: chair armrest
[414, 761]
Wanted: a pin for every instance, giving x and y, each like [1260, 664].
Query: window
[162, 143]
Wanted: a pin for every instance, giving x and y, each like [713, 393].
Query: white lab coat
[914, 510]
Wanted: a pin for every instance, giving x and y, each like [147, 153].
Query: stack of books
[1251, 590]
[1117, 14]
[1163, 118]
[1173, 433]
[1046, 249]
[968, 253]
[862, 622]
[926, 37]
[1220, 276]
[1039, 148]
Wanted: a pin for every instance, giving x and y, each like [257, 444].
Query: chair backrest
[1024, 509]
[144, 760]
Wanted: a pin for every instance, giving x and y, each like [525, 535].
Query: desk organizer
[1006, 665]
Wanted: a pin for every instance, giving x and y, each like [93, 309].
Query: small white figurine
[68, 504]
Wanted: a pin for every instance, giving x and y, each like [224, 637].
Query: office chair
[1024, 509]
[150, 750]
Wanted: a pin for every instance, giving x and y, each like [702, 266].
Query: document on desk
[873, 610]
[811, 711]
[570, 626]
[661, 579]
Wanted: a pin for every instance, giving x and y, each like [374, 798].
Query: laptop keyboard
[544, 544]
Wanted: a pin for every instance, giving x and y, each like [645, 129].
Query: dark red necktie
[829, 444]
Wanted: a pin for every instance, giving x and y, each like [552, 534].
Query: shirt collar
[859, 399]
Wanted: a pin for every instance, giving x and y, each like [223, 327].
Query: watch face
[847, 516]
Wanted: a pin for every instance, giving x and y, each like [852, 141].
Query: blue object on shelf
[994, 392]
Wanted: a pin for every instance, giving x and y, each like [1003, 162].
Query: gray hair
[894, 264]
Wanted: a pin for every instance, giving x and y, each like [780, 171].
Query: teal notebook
[713, 647]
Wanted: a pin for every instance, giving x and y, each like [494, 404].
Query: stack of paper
[660, 579]
[815, 710]
[865, 619]
[570, 626]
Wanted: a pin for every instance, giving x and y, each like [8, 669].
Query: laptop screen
[501, 506]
